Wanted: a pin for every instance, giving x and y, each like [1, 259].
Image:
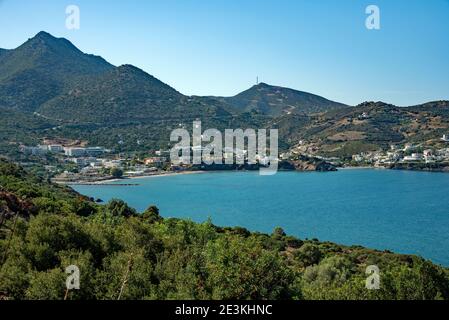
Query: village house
[74, 151]
[55, 148]
[35, 151]
[413, 157]
[445, 137]
[155, 160]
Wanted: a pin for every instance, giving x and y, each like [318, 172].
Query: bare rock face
[305, 163]
[10, 205]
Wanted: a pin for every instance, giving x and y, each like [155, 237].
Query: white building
[427, 153]
[95, 151]
[79, 161]
[409, 147]
[112, 163]
[75, 152]
[55, 148]
[429, 156]
[393, 156]
[414, 157]
[36, 151]
[43, 147]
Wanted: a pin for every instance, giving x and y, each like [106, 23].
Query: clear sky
[219, 47]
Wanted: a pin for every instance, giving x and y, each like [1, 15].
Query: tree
[83, 208]
[278, 233]
[331, 270]
[47, 285]
[48, 234]
[151, 215]
[240, 268]
[331, 279]
[309, 254]
[119, 208]
[116, 173]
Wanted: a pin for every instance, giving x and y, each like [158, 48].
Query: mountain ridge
[276, 100]
[41, 68]
[25, 63]
[3, 51]
[83, 96]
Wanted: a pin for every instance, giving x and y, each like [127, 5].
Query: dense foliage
[121, 254]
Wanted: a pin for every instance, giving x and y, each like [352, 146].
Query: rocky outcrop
[10, 205]
[431, 167]
[305, 163]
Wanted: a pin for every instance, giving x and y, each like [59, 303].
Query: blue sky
[218, 47]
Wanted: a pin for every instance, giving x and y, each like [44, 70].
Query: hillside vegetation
[373, 126]
[122, 254]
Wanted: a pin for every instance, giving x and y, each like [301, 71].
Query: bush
[116, 173]
[309, 254]
[151, 215]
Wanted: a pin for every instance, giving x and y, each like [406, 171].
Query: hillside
[371, 126]
[19, 127]
[122, 94]
[81, 96]
[44, 228]
[49, 88]
[275, 101]
[42, 68]
[3, 52]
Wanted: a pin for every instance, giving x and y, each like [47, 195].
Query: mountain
[49, 88]
[3, 52]
[82, 96]
[121, 94]
[275, 101]
[125, 95]
[51, 76]
[41, 69]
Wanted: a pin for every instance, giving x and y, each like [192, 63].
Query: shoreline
[167, 174]
[361, 167]
[112, 182]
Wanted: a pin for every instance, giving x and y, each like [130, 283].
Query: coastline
[115, 181]
[168, 174]
[361, 167]
[127, 178]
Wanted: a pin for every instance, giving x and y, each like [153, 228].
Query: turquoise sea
[402, 211]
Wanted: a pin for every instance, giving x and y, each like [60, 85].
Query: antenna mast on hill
[257, 80]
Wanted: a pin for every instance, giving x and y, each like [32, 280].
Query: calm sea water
[403, 211]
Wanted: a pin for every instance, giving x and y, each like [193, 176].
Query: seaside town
[93, 164]
[96, 164]
[396, 154]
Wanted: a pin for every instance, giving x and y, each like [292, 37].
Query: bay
[401, 211]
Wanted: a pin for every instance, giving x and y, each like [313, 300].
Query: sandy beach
[126, 178]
